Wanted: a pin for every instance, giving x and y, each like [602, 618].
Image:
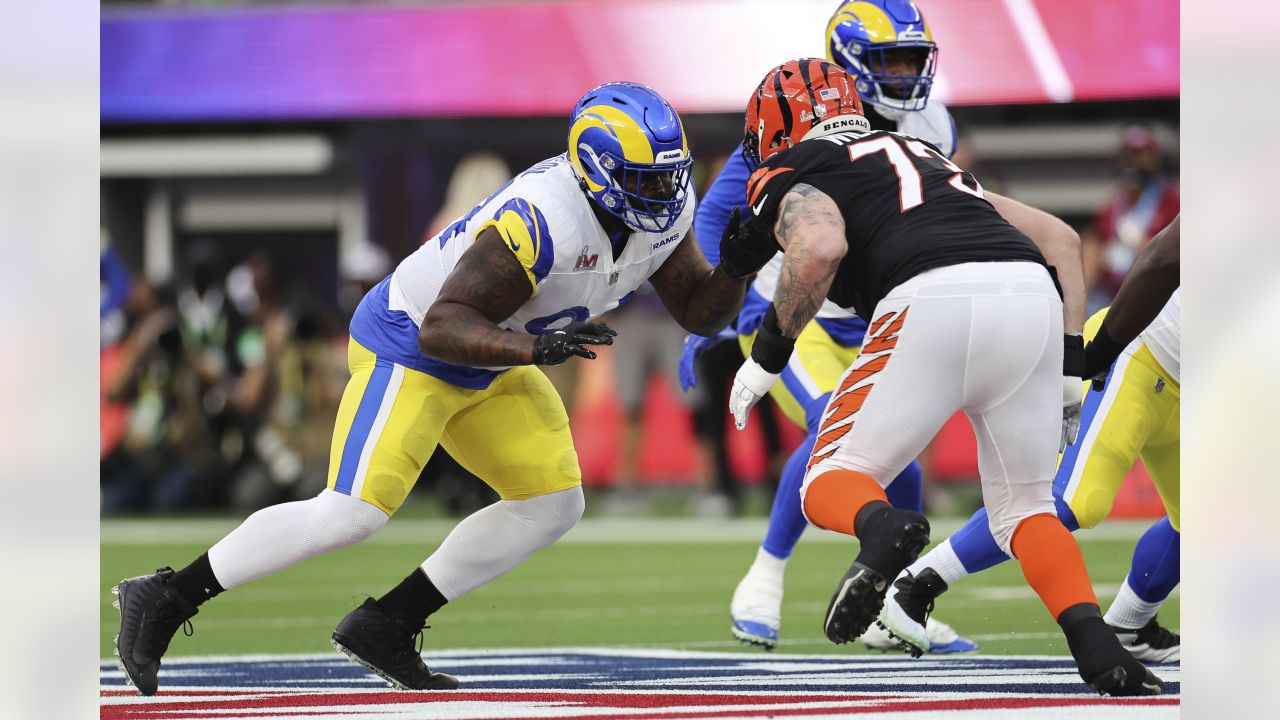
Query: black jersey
[906, 208]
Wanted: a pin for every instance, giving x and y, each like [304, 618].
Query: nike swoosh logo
[514, 245]
[755, 209]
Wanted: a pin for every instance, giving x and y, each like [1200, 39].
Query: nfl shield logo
[613, 278]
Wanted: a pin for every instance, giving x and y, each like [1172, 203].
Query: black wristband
[1073, 355]
[772, 349]
[1101, 351]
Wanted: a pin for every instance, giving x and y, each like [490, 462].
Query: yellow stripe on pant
[514, 435]
[1137, 415]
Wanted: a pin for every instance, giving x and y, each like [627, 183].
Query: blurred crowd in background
[219, 387]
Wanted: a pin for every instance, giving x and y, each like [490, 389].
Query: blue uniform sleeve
[728, 191]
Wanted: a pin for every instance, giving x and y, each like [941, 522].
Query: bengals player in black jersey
[964, 314]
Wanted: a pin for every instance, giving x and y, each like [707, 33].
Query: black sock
[880, 528]
[869, 516]
[415, 596]
[1092, 643]
[196, 582]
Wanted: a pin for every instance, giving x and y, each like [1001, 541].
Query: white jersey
[1163, 337]
[547, 222]
[934, 125]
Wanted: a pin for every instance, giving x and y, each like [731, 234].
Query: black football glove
[744, 247]
[555, 346]
[1099, 355]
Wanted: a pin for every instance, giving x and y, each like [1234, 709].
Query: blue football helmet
[628, 148]
[888, 48]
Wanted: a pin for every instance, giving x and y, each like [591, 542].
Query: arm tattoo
[806, 207]
[806, 214]
[486, 287]
[701, 299]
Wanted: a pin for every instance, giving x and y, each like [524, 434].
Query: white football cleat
[756, 608]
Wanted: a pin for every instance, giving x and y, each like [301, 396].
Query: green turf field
[615, 583]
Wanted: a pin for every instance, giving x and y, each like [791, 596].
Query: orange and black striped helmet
[798, 99]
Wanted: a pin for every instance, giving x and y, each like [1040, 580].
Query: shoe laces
[411, 645]
[167, 619]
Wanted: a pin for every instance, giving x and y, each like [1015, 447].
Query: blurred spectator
[362, 268]
[474, 179]
[1145, 201]
[165, 451]
[114, 280]
[288, 389]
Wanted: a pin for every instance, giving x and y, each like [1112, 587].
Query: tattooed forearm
[811, 229]
[702, 300]
[485, 288]
[802, 286]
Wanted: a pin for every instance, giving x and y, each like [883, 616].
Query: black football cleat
[1103, 663]
[384, 643]
[891, 540]
[151, 611]
[855, 604]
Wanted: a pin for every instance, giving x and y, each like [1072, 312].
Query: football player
[888, 48]
[1130, 411]
[443, 352]
[964, 314]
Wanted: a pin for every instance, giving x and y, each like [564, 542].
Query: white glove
[1072, 396]
[750, 384]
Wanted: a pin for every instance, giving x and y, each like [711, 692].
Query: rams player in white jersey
[441, 353]
[1130, 412]
[888, 47]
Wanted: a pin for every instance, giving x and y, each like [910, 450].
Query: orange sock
[1052, 563]
[835, 497]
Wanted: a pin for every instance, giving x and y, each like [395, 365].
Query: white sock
[497, 538]
[1128, 610]
[943, 560]
[766, 563]
[281, 536]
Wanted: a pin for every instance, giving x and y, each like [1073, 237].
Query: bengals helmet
[801, 99]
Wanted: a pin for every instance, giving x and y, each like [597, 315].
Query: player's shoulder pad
[933, 125]
[527, 233]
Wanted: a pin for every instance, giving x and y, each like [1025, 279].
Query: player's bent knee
[350, 519]
[1005, 518]
[553, 514]
[1091, 507]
